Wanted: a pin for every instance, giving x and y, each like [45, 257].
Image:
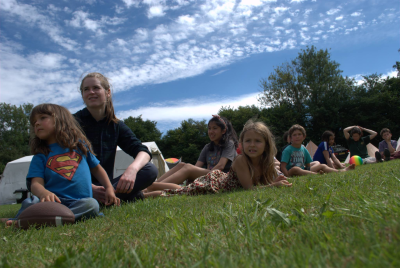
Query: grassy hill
[349, 219]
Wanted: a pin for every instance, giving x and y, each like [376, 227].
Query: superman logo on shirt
[65, 164]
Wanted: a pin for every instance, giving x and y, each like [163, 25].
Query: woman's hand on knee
[126, 182]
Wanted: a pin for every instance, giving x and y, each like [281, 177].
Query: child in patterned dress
[216, 155]
[254, 167]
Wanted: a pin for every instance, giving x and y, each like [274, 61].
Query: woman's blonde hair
[68, 133]
[267, 159]
[110, 113]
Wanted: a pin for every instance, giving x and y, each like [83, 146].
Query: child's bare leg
[152, 194]
[171, 171]
[313, 163]
[296, 171]
[187, 172]
[337, 166]
[157, 186]
[324, 168]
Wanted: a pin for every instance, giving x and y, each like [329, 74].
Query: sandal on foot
[386, 153]
[378, 157]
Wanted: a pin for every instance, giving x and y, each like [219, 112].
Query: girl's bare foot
[11, 223]
[351, 167]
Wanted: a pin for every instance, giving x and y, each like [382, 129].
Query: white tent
[311, 148]
[14, 175]
[371, 152]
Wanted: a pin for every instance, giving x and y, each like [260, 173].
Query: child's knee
[90, 206]
[93, 204]
[30, 201]
[181, 164]
[293, 171]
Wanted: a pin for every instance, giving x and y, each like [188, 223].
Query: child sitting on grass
[324, 153]
[387, 147]
[296, 159]
[358, 144]
[254, 167]
[62, 163]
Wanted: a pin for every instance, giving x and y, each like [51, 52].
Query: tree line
[309, 90]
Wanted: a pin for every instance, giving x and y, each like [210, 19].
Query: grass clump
[349, 219]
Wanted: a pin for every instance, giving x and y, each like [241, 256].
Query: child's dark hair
[230, 133]
[109, 109]
[285, 136]
[326, 135]
[68, 133]
[384, 130]
[356, 130]
[297, 127]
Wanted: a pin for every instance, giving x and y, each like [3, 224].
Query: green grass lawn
[349, 219]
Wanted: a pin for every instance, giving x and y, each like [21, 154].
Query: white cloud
[81, 20]
[347, 31]
[355, 14]
[220, 72]
[339, 18]
[198, 109]
[33, 16]
[360, 79]
[36, 78]
[332, 11]
[307, 13]
[251, 3]
[129, 3]
[155, 11]
[287, 21]
[202, 37]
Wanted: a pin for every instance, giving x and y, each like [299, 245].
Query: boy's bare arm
[346, 131]
[390, 147]
[371, 132]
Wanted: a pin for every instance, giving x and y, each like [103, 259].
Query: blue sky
[173, 60]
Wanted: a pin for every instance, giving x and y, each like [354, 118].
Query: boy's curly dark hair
[356, 130]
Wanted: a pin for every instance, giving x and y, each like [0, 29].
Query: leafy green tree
[145, 130]
[311, 86]
[14, 132]
[238, 117]
[272, 117]
[186, 141]
[375, 104]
